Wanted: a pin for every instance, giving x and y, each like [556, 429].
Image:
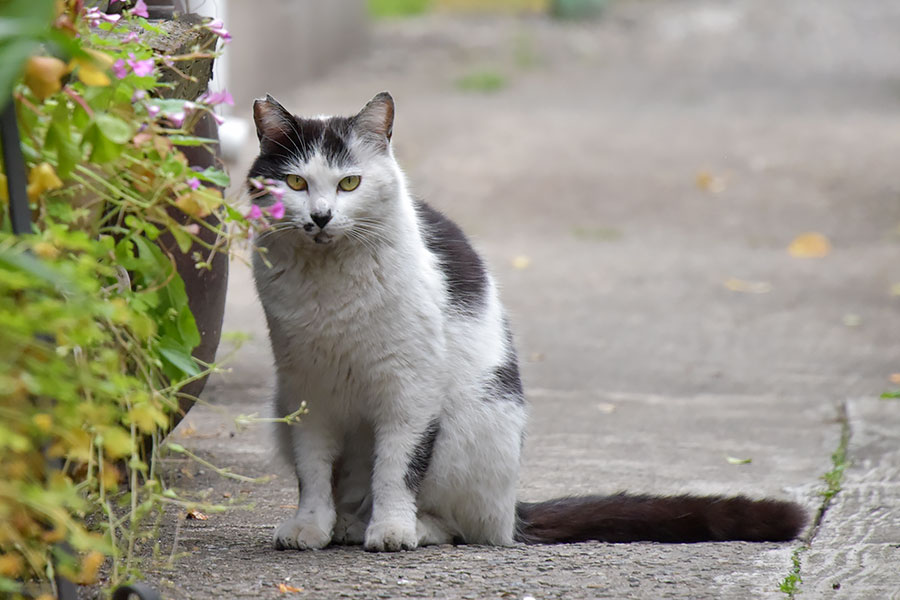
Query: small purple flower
[194, 183]
[177, 119]
[256, 183]
[141, 68]
[152, 110]
[131, 37]
[255, 213]
[120, 70]
[140, 9]
[277, 192]
[94, 16]
[218, 28]
[138, 94]
[276, 211]
[215, 98]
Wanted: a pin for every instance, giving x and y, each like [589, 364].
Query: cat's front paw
[300, 534]
[391, 536]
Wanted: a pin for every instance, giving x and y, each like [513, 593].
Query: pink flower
[277, 192]
[194, 183]
[256, 183]
[140, 9]
[214, 98]
[177, 119]
[193, 229]
[119, 69]
[138, 94]
[141, 68]
[152, 110]
[131, 37]
[276, 211]
[218, 28]
[255, 213]
[94, 16]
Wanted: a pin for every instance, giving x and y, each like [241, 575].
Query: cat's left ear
[273, 122]
[375, 122]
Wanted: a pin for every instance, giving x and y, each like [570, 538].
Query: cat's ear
[273, 122]
[375, 122]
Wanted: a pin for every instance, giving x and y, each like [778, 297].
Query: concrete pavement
[635, 184]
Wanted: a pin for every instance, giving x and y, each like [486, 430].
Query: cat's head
[337, 173]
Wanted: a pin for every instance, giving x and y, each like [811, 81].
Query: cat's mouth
[323, 238]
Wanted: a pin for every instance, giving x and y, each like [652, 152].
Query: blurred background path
[693, 208]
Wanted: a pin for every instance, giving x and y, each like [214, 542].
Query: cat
[386, 322]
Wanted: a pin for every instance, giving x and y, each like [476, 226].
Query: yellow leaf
[110, 478]
[92, 71]
[43, 421]
[708, 182]
[521, 262]
[90, 566]
[285, 588]
[46, 250]
[4, 188]
[192, 204]
[42, 178]
[196, 514]
[747, 287]
[895, 378]
[11, 565]
[810, 245]
[91, 75]
[147, 417]
[116, 442]
[43, 74]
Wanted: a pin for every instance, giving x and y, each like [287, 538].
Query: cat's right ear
[273, 122]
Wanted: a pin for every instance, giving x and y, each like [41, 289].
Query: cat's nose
[321, 219]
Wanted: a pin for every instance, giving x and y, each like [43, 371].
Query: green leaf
[113, 128]
[177, 358]
[190, 140]
[214, 176]
[738, 461]
[175, 447]
[891, 395]
[187, 327]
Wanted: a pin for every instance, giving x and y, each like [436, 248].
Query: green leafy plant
[95, 330]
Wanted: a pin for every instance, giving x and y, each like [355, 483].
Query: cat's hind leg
[353, 488]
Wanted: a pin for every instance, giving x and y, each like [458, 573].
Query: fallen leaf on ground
[285, 588]
[810, 245]
[708, 182]
[747, 287]
[197, 515]
[895, 289]
[738, 461]
[895, 378]
[521, 262]
[851, 320]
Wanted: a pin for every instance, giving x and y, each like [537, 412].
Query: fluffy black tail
[630, 518]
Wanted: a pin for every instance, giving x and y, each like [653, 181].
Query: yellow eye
[296, 182]
[349, 183]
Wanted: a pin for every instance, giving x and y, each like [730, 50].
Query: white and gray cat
[385, 321]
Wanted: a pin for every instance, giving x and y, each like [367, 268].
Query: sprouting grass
[790, 583]
[485, 80]
[397, 8]
[833, 480]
